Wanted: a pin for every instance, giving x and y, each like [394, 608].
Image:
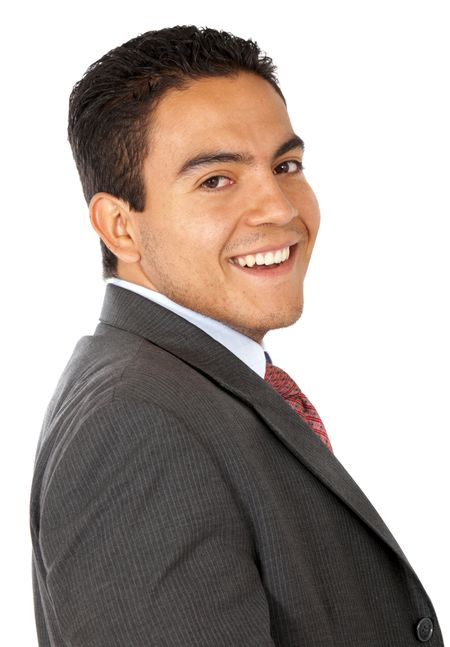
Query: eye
[290, 166]
[215, 182]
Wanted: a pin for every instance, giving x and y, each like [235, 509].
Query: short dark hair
[110, 107]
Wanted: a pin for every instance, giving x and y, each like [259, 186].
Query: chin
[257, 328]
[285, 316]
[288, 319]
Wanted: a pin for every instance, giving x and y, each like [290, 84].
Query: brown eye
[214, 182]
[290, 166]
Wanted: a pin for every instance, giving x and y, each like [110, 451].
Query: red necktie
[289, 391]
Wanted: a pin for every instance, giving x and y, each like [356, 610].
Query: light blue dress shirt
[248, 350]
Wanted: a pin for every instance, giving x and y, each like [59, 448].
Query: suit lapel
[136, 314]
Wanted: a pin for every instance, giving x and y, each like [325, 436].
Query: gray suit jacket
[178, 501]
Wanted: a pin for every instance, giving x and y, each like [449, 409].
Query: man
[185, 490]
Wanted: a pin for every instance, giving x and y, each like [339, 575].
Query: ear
[112, 220]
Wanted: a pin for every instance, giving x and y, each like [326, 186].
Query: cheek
[208, 224]
[309, 210]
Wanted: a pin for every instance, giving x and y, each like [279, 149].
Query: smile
[267, 258]
[268, 265]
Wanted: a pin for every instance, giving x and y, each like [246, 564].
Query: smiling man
[185, 489]
[229, 221]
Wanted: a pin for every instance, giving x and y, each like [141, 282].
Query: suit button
[424, 630]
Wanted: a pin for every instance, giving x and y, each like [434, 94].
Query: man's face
[253, 199]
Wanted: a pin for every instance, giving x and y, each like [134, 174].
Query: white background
[367, 89]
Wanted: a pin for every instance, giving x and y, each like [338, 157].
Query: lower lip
[270, 271]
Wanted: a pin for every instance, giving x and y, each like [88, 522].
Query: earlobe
[111, 219]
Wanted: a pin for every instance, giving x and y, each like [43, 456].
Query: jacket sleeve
[144, 541]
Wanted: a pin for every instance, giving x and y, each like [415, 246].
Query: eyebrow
[202, 159]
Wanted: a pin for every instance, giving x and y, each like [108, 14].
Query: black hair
[110, 107]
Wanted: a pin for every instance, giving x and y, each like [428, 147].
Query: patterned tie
[289, 391]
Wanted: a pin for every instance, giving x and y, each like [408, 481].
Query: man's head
[188, 160]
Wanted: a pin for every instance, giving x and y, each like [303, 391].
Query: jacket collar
[136, 314]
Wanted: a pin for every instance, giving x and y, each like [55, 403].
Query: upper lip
[267, 248]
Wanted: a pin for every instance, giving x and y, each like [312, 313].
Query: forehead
[243, 111]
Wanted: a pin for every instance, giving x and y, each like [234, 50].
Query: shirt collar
[248, 350]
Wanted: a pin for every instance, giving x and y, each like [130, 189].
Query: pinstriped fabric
[143, 542]
[167, 511]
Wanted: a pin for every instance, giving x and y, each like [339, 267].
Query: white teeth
[268, 258]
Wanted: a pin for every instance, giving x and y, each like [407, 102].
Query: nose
[268, 203]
